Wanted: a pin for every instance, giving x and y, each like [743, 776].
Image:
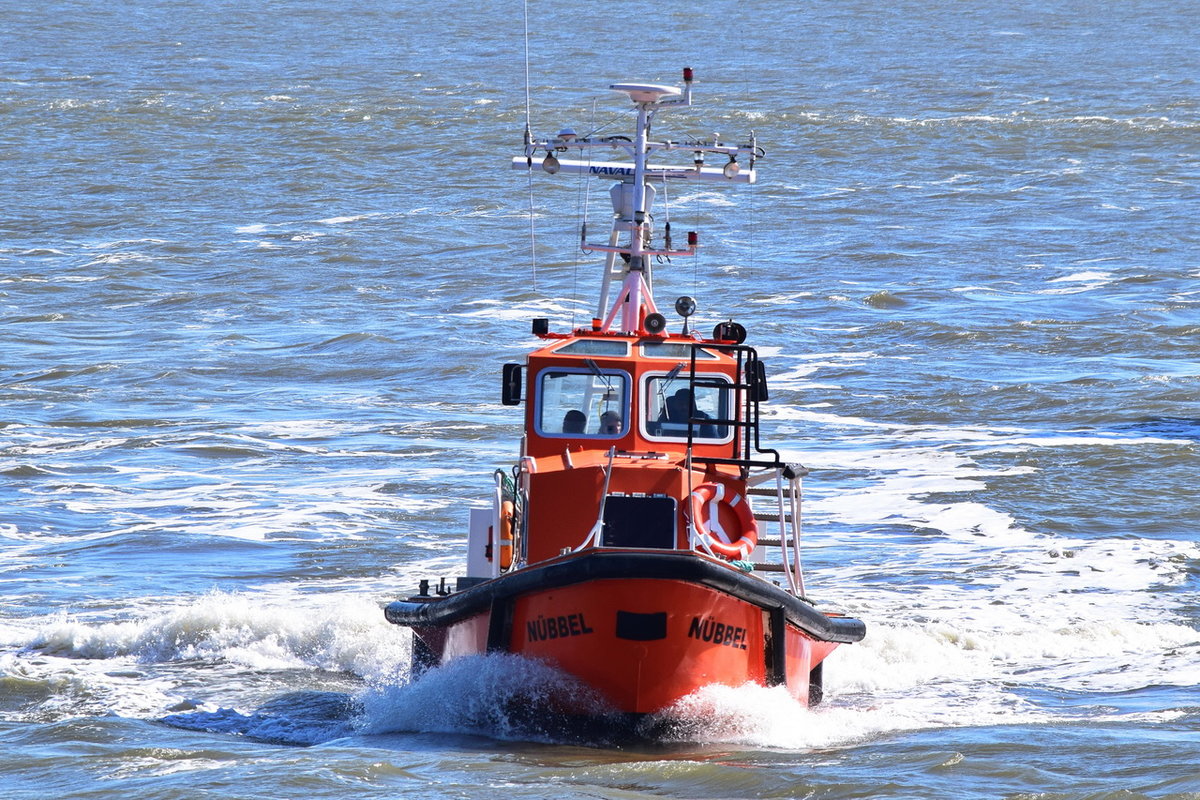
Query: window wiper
[674, 373]
[608, 387]
[666, 382]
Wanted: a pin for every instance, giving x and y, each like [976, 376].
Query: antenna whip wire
[528, 139]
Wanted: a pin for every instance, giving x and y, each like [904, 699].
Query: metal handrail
[748, 444]
[788, 497]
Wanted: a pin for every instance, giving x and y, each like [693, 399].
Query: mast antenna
[528, 115]
[528, 139]
[629, 252]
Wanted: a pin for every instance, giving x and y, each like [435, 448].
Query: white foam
[936, 675]
[343, 633]
[343, 220]
[502, 310]
[500, 695]
[1083, 277]
[704, 198]
[1079, 282]
[758, 716]
[72, 688]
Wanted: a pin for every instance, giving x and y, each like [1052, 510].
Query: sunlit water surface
[259, 266]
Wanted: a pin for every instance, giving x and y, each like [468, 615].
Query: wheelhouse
[619, 430]
[632, 394]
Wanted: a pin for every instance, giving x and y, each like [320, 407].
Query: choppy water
[259, 264]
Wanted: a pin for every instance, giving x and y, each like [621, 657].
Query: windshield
[576, 402]
[670, 402]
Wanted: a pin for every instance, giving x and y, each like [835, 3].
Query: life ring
[735, 545]
[507, 512]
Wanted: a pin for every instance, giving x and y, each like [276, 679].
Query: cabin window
[671, 399]
[595, 347]
[676, 350]
[583, 403]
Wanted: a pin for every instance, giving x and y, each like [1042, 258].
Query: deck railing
[779, 519]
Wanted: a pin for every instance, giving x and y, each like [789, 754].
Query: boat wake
[283, 671]
[512, 698]
[296, 718]
[499, 695]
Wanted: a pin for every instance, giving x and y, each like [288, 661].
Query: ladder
[778, 549]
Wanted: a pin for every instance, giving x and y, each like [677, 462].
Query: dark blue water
[259, 266]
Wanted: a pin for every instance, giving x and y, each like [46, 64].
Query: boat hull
[642, 628]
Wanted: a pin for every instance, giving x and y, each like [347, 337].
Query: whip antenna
[528, 139]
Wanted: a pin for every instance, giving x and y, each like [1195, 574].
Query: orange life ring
[734, 545]
[507, 512]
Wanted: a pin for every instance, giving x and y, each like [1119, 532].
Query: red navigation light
[687, 74]
[693, 238]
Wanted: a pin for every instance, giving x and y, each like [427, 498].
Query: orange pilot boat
[644, 542]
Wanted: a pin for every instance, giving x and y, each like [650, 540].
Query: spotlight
[685, 307]
[729, 332]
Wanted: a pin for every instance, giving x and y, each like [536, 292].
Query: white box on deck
[479, 534]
